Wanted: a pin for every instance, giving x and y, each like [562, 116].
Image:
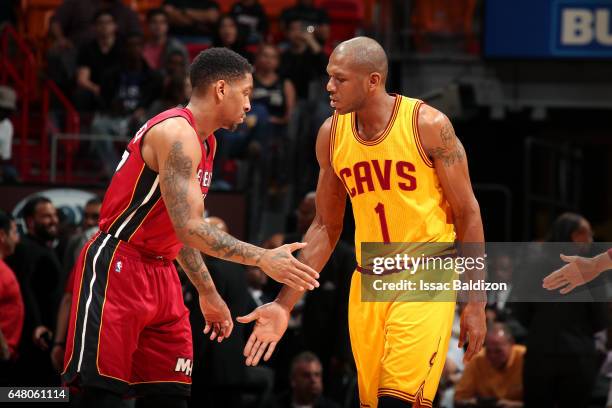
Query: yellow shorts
[399, 347]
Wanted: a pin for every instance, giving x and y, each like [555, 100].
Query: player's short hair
[303, 357]
[5, 221]
[215, 64]
[156, 12]
[29, 209]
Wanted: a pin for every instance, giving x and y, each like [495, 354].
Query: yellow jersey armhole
[417, 136]
[332, 138]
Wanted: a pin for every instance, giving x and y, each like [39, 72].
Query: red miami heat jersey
[133, 209]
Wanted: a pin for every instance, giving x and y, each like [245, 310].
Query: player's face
[237, 101]
[347, 88]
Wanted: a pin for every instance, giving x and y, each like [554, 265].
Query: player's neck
[204, 115]
[374, 117]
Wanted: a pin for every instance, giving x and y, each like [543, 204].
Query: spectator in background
[227, 34]
[306, 381]
[304, 60]
[501, 271]
[251, 15]
[11, 303]
[95, 59]
[176, 65]
[89, 225]
[305, 12]
[177, 90]
[495, 375]
[127, 91]
[323, 311]
[71, 28]
[40, 276]
[8, 104]
[219, 370]
[158, 47]
[71, 23]
[276, 96]
[561, 363]
[193, 21]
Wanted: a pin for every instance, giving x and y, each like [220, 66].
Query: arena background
[527, 85]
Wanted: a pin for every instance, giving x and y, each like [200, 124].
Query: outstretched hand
[271, 322]
[217, 316]
[283, 267]
[576, 272]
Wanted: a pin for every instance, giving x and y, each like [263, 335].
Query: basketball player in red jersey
[129, 330]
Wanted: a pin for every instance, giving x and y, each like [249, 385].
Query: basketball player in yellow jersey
[407, 177]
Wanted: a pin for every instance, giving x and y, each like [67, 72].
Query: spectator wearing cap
[159, 46]
[8, 104]
[11, 303]
[495, 374]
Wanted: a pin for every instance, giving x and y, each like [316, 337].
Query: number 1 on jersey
[380, 210]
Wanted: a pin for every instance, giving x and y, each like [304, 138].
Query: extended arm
[321, 238]
[173, 149]
[449, 160]
[324, 232]
[215, 311]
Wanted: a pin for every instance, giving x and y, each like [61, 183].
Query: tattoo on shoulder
[452, 150]
[176, 181]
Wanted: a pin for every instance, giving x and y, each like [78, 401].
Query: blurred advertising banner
[548, 29]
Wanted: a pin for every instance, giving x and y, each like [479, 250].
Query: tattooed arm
[217, 316]
[173, 150]
[194, 267]
[448, 157]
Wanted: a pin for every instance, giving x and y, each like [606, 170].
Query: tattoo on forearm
[452, 151]
[225, 246]
[192, 263]
[176, 181]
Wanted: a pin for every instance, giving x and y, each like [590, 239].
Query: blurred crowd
[535, 354]
[119, 73]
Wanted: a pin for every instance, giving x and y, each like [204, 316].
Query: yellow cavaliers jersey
[395, 192]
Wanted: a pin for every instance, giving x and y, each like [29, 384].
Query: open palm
[271, 322]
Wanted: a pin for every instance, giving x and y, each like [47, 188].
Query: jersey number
[380, 210]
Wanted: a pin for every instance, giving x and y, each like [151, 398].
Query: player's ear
[374, 80]
[220, 89]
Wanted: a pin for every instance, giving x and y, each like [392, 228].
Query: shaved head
[364, 54]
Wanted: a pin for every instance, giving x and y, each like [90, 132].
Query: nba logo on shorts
[118, 266]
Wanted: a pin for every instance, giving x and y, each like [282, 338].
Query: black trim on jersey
[141, 214]
[143, 186]
[89, 368]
